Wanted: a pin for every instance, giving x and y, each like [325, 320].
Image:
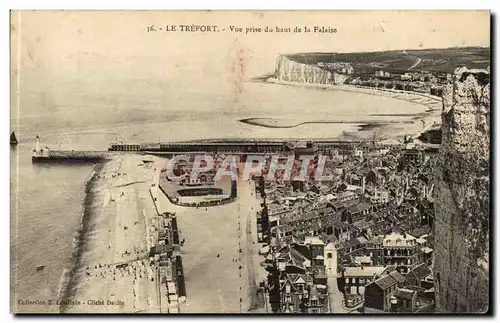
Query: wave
[68, 280]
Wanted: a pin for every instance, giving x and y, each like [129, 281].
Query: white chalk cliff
[288, 70]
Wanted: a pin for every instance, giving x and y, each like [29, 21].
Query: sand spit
[289, 123]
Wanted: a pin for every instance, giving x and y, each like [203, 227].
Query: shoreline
[365, 90]
[388, 130]
[112, 263]
[68, 275]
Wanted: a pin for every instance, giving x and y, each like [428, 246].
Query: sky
[117, 44]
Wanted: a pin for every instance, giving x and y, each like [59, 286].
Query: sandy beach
[387, 126]
[115, 275]
[420, 98]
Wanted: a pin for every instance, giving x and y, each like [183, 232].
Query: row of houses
[375, 214]
[395, 293]
[297, 281]
[338, 67]
[171, 273]
[422, 76]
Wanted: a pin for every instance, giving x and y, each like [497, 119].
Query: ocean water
[47, 201]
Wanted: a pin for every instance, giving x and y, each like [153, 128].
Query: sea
[48, 202]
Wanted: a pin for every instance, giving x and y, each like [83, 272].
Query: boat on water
[13, 139]
[39, 268]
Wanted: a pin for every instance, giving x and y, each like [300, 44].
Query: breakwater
[215, 146]
[71, 156]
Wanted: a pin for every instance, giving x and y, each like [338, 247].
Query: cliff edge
[288, 70]
[462, 189]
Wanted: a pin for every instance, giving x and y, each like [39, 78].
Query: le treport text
[236, 29]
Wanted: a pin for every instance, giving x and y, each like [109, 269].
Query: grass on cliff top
[439, 60]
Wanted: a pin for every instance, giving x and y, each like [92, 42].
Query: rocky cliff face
[290, 71]
[462, 212]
